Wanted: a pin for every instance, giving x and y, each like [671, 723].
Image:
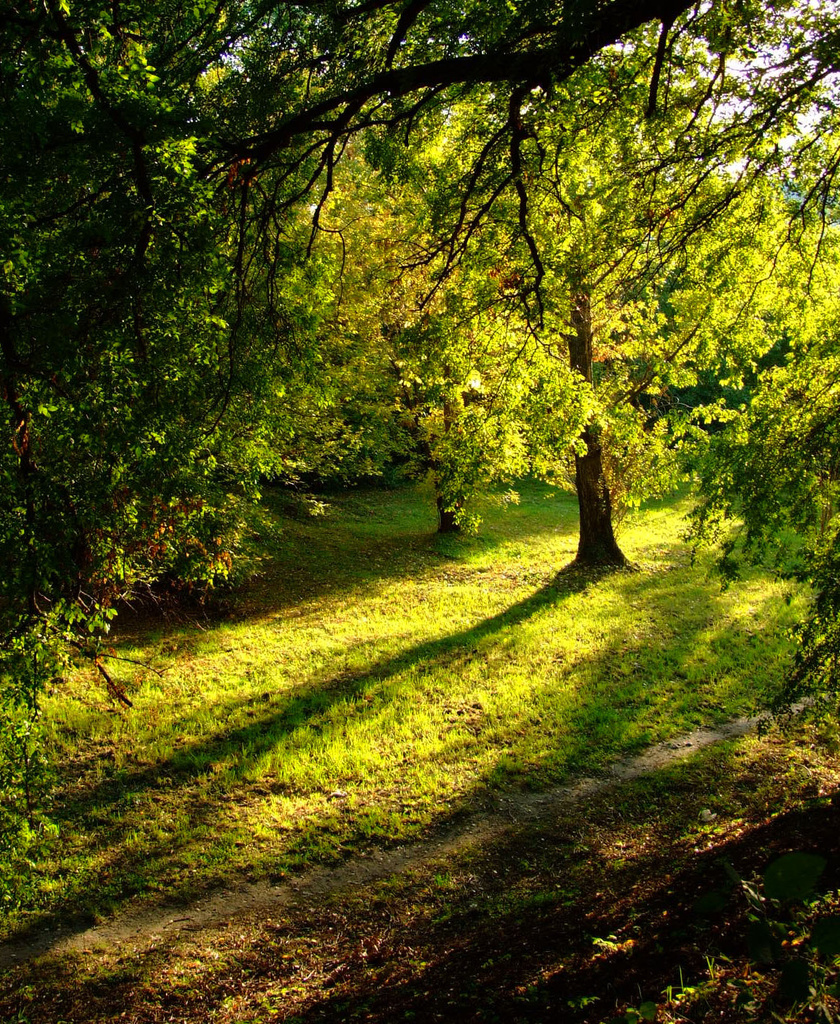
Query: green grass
[411, 674]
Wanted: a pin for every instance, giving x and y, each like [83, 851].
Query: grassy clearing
[374, 681]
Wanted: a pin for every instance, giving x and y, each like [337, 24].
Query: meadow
[370, 682]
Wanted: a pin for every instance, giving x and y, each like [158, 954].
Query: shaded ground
[566, 905]
[229, 906]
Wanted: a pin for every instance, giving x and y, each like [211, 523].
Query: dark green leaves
[763, 945]
[825, 936]
[795, 981]
[793, 876]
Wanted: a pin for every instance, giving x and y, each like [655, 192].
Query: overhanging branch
[571, 47]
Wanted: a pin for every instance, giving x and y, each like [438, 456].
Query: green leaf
[710, 903]
[764, 947]
[647, 1011]
[793, 876]
[795, 982]
[825, 936]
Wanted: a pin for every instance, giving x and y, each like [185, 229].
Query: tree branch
[571, 48]
[661, 50]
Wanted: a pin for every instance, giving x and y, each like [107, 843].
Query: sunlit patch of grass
[375, 679]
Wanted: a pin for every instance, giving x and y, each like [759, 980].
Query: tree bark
[446, 518]
[596, 544]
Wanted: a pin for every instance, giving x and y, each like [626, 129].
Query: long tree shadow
[244, 745]
[506, 933]
[260, 736]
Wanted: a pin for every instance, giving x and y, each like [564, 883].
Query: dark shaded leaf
[795, 982]
[764, 947]
[710, 903]
[793, 876]
[825, 936]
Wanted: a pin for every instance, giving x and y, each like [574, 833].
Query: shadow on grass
[505, 933]
[108, 808]
[258, 736]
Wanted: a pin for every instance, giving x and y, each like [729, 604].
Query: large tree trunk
[597, 544]
[446, 517]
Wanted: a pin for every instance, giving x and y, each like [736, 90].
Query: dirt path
[141, 928]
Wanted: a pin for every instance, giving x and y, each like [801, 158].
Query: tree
[614, 275]
[770, 481]
[710, 137]
[157, 166]
[136, 356]
[444, 363]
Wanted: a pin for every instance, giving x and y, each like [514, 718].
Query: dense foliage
[141, 385]
[770, 483]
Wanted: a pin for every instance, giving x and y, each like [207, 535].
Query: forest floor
[623, 883]
[607, 899]
[147, 926]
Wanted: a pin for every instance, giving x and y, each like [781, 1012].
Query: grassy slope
[408, 673]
